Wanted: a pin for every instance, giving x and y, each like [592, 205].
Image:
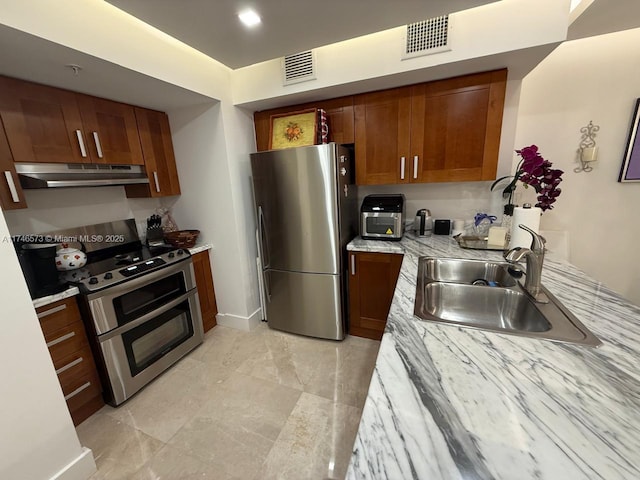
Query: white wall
[207, 203]
[38, 438]
[596, 79]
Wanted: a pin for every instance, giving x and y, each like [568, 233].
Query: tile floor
[244, 405]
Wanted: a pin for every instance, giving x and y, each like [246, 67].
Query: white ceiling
[287, 27]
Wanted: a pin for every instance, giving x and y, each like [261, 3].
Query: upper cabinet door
[382, 136]
[159, 159]
[42, 124]
[455, 128]
[111, 130]
[11, 196]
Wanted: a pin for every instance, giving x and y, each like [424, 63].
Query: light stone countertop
[42, 301]
[449, 402]
[197, 248]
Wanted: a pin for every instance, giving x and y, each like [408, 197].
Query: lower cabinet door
[372, 281]
[206, 293]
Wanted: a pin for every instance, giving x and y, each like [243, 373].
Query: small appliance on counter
[442, 227]
[38, 263]
[382, 217]
[423, 224]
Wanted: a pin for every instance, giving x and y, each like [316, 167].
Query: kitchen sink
[475, 272]
[448, 292]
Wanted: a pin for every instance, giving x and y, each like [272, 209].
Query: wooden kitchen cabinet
[43, 124]
[442, 131]
[455, 128]
[159, 159]
[111, 130]
[372, 281]
[339, 115]
[72, 358]
[51, 125]
[206, 293]
[382, 135]
[11, 195]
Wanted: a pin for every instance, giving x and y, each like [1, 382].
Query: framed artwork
[630, 171]
[293, 129]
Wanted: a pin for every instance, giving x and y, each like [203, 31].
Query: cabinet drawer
[74, 367]
[84, 392]
[56, 316]
[65, 342]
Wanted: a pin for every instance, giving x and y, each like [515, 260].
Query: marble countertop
[42, 301]
[449, 402]
[200, 247]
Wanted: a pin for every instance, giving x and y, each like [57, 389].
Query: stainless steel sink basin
[476, 272]
[446, 293]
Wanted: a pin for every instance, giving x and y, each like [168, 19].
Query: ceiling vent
[427, 37]
[299, 67]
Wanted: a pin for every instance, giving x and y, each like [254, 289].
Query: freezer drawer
[305, 303]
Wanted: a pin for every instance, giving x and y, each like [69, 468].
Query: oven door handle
[146, 317]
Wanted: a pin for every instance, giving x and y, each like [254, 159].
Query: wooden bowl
[182, 238]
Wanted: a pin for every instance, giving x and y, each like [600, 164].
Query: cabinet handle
[77, 390]
[69, 365]
[353, 264]
[402, 160]
[53, 310]
[12, 187]
[98, 146]
[83, 151]
[60, 339]
[155, 179]
[415, 166]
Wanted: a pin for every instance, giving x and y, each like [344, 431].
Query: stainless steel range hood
[54, 175]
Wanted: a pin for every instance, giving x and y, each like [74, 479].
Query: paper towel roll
[529, 217]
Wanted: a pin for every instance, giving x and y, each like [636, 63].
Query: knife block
[155, 236]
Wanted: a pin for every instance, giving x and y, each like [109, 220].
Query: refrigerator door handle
[264, 244]
[267, 285]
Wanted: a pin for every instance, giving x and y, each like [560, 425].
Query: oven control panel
[142, 267]
[107, 279]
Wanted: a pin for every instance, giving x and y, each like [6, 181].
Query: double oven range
[140, 304]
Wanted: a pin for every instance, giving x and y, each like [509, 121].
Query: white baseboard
[241, 323]
[81, 468]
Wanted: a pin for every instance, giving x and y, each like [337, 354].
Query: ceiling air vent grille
[427, 37]
[299, 67]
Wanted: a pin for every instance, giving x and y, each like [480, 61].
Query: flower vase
[507, 221]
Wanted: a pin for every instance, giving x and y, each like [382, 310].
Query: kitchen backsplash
[52, 209]
[445, 200]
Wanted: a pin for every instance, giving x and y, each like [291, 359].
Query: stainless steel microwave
[382, 217]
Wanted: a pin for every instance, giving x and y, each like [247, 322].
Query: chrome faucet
[535, 258]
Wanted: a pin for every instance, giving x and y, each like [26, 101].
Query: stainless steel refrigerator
[306, 213]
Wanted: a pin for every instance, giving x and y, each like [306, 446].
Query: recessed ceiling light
[249, 18]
